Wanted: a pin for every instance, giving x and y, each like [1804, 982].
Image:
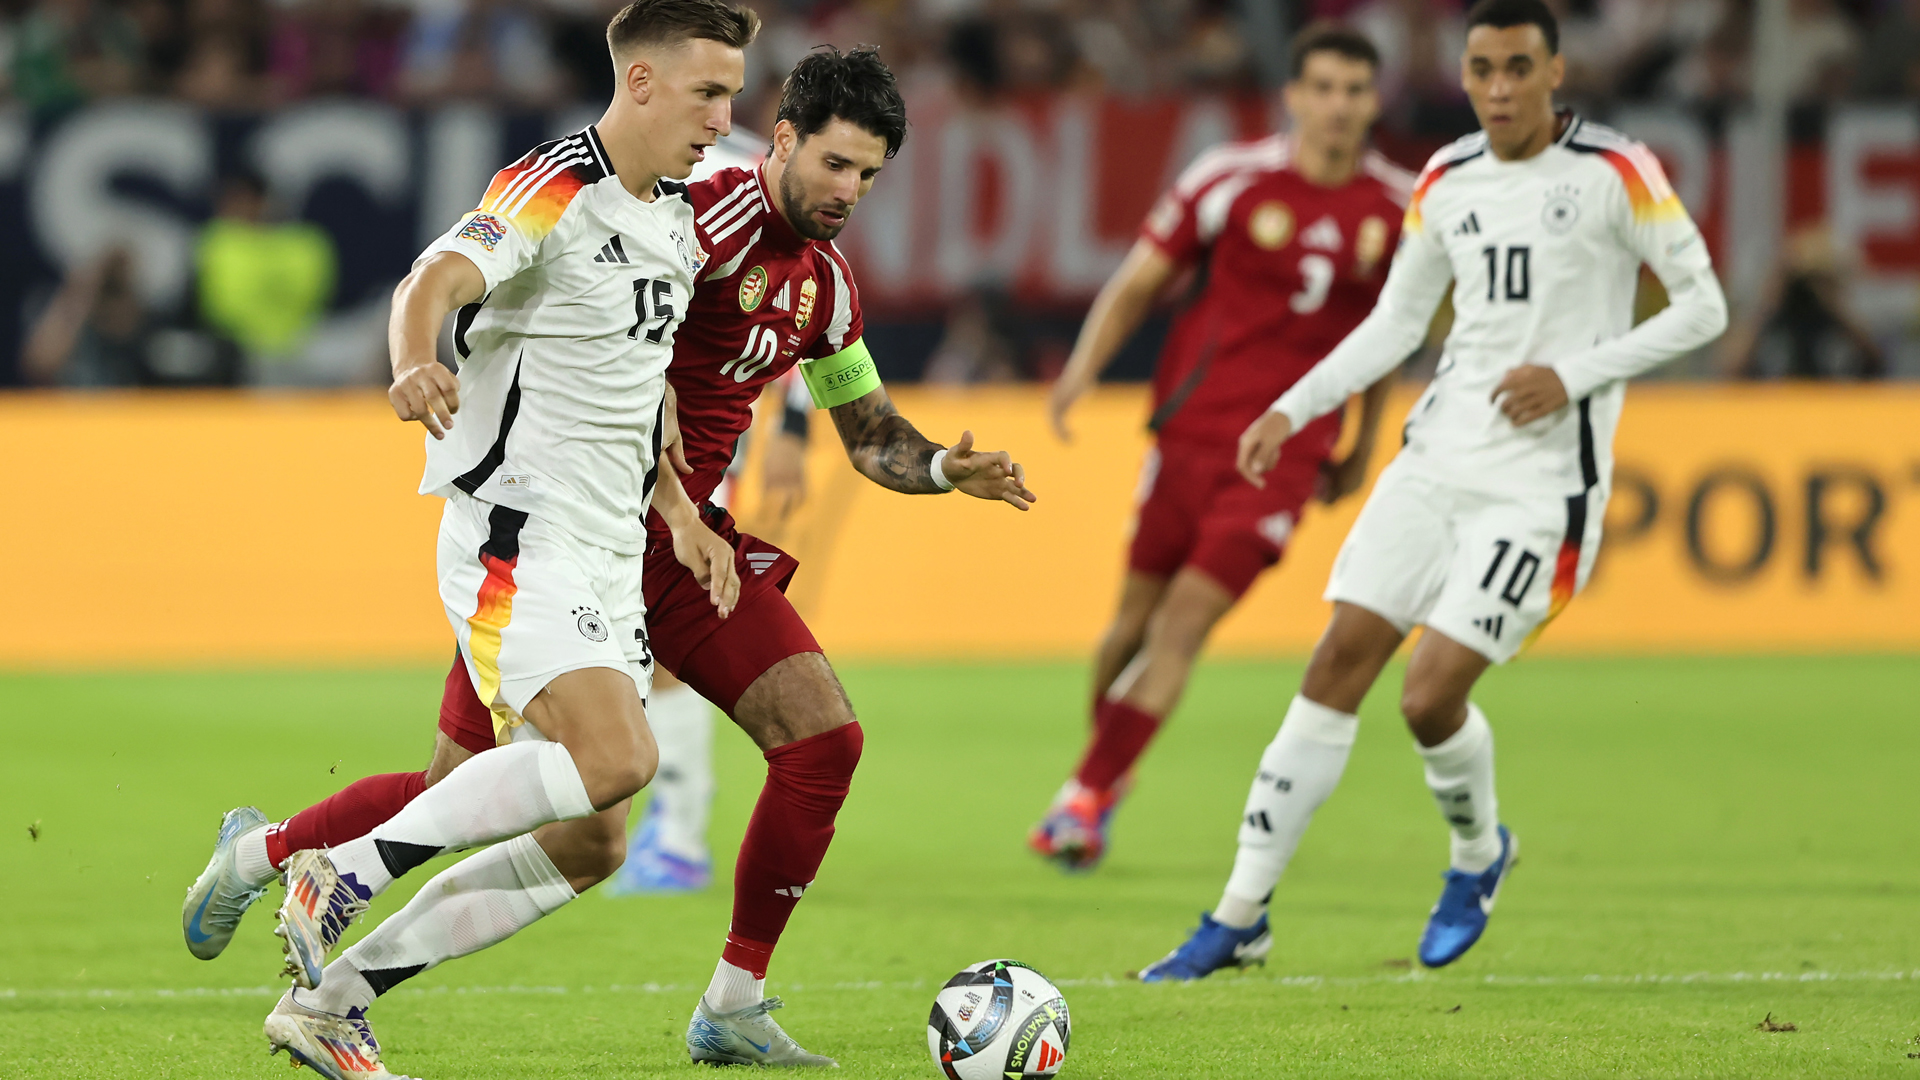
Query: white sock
[1299, 769]
[480, 901]
[504, 792]
[1460, 772]
[682, 723]
[250, 857]
[343, 988]
[733, 989]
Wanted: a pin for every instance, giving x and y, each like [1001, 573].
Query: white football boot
[219, 896]
[336, 1047]
[747, 1037]
[317, 911]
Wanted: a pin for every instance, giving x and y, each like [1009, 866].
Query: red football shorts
[462, 718]
[718, 657]
[1197, 510]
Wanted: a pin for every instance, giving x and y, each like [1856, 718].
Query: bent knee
[610, 855]
[1428, 710]
[639, 770]
[610, 782]
[587, 862]
[1178, 637]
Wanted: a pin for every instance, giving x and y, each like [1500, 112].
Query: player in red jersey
[772, 293]
[1290, 235]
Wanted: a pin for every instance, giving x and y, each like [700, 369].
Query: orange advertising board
[260, 529]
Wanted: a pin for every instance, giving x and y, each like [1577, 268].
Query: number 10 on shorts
[1525, 568]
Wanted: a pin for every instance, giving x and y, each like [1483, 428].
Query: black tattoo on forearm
[884, 446]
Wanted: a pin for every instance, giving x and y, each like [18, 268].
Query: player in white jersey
[569, 279]
[1488, 521]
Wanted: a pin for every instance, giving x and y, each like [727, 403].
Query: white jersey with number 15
[563, 362]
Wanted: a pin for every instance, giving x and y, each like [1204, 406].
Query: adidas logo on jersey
[762, 561]
[1469, 226]
[612, 252]
[1322, 235]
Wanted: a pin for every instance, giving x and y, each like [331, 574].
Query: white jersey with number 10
[1544, 255]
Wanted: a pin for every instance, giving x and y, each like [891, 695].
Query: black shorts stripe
[1576, 522]
[503, 533]
[471, 480]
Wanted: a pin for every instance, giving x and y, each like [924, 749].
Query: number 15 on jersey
[652, 299]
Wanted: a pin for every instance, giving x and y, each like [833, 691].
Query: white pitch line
[1309, 981]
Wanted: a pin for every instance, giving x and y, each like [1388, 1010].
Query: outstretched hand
[428, 393]
[1260, 446]
[1529, 392]
[987, 474]
[701, 550]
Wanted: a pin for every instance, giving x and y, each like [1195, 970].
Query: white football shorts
[529, 602]
[1488, 571]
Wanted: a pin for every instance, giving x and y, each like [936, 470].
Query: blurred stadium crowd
[264, 276]
[240, 55]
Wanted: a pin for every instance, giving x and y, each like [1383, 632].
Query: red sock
[786, 839]
[1121, 734]
[347, 814]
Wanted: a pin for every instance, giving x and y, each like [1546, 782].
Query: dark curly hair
[856, 86]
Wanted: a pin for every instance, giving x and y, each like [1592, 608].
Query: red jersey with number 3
[1288, 268]
[766, 299]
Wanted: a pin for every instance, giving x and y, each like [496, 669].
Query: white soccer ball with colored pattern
[996, 1020]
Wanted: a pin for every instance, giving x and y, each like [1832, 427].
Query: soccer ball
[998, 1019]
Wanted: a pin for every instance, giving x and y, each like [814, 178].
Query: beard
[800, 215]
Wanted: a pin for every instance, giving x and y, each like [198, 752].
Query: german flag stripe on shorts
[494, 607]
[1566, 567]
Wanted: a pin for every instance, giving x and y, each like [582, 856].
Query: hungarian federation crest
[1271, 225]
[803, 311]
[753, 288]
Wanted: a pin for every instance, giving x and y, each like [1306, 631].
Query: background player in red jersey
[773, 293]
[1290, 235]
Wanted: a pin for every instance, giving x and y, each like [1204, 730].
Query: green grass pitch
[1707, 842]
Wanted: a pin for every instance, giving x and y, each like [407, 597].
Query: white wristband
[938, 468]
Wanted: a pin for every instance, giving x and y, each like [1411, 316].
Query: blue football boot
[1460, 917]
[1211, 948]
[219, 896]
[653, 870]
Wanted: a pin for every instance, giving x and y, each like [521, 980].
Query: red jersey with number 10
[766, 299]
[1289, 268]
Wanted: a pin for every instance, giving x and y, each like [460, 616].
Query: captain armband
[845, 376]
